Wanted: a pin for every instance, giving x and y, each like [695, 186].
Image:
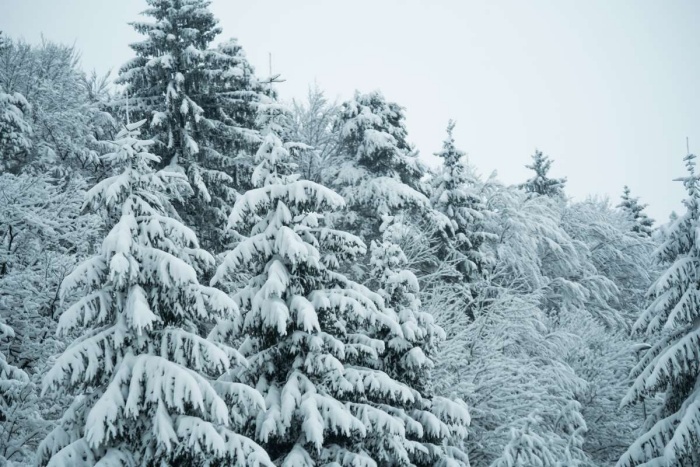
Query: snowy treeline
[193, 272]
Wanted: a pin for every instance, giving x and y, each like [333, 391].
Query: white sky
[608, 88]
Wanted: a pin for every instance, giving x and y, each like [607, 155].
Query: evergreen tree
[456, 195]
[142, 372]
[15, 131]
[670, 366]
[635, 211]
[409, 358]
[199, 103]
[374, 132]
[168, 68]
[381, 174]
[164, 79]
[540, 183]
[306, 331]
[229, 129]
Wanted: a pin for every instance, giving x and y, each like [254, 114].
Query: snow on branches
[144, 372]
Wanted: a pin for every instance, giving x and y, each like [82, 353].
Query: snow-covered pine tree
[306, 330]
[641, 223]
[231, 109]
[199, 103]
[141, 371]
[228, 135]
[409, 358]
[169, 66]
[670, 366]
[540, 183]
[381, 174]
[456, 194]
[15, 131]
[374, 132]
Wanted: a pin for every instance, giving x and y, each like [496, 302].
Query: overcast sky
[608, 88]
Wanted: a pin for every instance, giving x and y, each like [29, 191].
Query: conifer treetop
[540, 183]
[375, 133]
[642, 224]
[15, 131]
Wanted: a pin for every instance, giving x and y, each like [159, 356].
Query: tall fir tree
[381, 174]
[15, 131]
[641, 223]
[142, 373]
[199, 103]
[672, 432]
[456, 194]
[540, 183]
[409, 358]
[169, 67]
[306, 331]
[231, 108]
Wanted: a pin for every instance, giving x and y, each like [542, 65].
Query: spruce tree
[142, 373]
[670, 366]
[307, 329]
[374, 132]
[231, 103]
[456, 195]
[641, 223]
[409, 358]
[381, 174]
[229, 132]
[168, 68]
[199, 103]
[540, 183]
[15, 131]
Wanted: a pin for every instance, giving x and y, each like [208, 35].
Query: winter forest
[195, 271]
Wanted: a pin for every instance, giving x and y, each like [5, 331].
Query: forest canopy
[194, 271]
